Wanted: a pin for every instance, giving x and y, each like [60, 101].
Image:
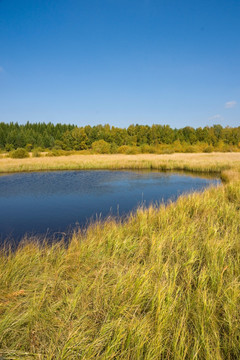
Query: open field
[214, 162]
[163, 284]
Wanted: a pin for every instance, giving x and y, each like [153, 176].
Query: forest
[111, 139]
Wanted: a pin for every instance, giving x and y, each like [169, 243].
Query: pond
[52, 203]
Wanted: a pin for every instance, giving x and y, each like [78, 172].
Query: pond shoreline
[53, 201]
[206, 163]
[160, 273]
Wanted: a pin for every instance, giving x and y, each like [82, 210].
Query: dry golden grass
[213, 162]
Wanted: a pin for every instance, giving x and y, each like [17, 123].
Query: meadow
[163, 284]
[200, 162]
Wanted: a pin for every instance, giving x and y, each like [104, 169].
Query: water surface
[54, 202]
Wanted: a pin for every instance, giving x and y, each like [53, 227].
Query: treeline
[106, 138]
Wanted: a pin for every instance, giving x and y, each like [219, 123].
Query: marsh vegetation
[205, 163]
[163, 284]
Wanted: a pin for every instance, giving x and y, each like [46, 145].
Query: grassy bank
[163, 285]
[214, 162]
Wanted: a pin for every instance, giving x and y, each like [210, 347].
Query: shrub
[133, 150]
[101, 147]
[191, 149]
[20, 153]
[129, 150]
[177, 146]
[208, 149]
[164, 149]
[147, 149]
[122, 149]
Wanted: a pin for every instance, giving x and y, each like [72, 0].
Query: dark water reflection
[52, 202]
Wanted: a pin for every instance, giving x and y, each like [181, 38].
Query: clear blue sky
[173, 62]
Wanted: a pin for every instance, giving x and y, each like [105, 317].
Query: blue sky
[120, 62]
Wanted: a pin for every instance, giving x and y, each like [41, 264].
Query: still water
[51, 203]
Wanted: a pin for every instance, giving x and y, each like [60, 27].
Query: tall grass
[162, 285]
[214, 162]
